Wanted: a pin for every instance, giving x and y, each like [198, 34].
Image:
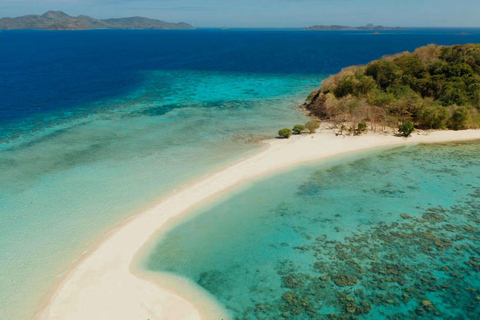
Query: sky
[267, 13]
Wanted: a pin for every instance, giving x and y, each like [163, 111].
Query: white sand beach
[104, 285]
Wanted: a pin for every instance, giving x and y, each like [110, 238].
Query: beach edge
[105, 283]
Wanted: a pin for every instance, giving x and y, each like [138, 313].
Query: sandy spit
[104, 285]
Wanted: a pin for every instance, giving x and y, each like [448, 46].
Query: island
[340, 28]
[59, 20]
[434, 87]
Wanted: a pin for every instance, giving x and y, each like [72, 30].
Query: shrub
[406, 128]
[312, 126]
[298, 128]
[475, 120]
[362, 127]
[433, 116]
[285, 133]
[459, 119]
[351, 130]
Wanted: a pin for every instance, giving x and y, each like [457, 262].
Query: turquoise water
[386, 234]
[65, 185]
[96, 125]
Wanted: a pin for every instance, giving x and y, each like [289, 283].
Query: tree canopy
[434, 87]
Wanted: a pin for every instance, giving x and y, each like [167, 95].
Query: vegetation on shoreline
[310, 126]
[435, 87]
[285, 133]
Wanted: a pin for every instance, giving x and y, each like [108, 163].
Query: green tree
[312, 126]
[433, 116]
[453, 93]
[406, 128]
[380, 98]
[362, 127]
[298, 128]
[384, 72]
[285, 133]
[364, 85]
[409, 65]
[345, 86]
[459, 119]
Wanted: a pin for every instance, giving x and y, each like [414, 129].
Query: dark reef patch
[390, 236]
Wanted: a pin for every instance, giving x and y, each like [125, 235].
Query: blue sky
[268, 13]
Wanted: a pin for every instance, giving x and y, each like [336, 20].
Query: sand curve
[105, 286]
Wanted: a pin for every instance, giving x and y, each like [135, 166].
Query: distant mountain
[58, 20]
[337, 27]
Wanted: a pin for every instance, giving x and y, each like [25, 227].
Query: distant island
[338, 27]
[58, 20]
[434, 87]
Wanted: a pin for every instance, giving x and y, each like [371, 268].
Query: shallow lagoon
[383, 234]
[69, 182]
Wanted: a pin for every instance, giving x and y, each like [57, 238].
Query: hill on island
[339, 27]
[434, 87]
[58, 20]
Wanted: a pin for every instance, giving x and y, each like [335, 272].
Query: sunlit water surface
[62, 187]
[97, 125]
[383, 234]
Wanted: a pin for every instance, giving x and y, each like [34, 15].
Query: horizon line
[252, 27]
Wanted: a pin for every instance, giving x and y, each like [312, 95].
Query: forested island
[339, 27]
[435, 87]
[58, 20]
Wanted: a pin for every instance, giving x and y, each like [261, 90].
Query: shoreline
[105, 283]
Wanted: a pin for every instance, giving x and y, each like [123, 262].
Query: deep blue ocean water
[43, 72]
[96, 125]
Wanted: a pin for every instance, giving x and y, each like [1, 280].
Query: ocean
[97, 125]
[384, 234]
